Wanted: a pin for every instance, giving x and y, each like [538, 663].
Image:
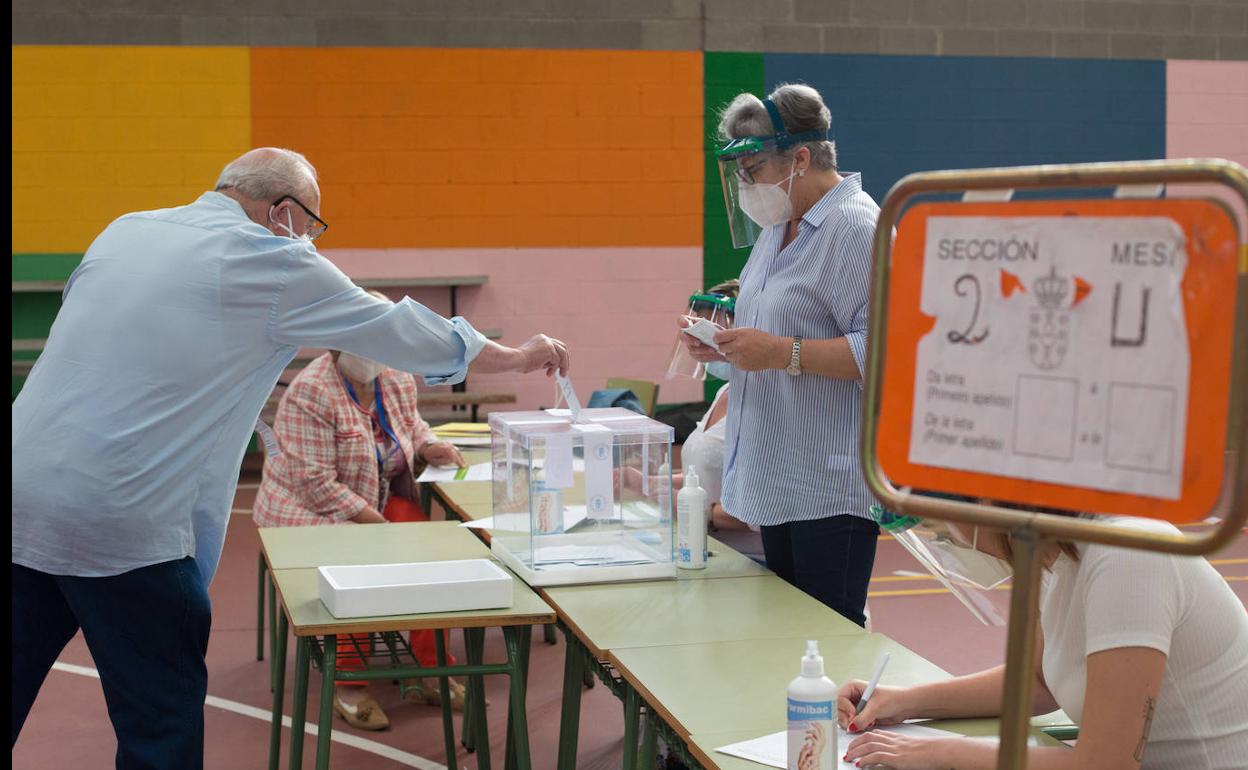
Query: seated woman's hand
[627, 478]
[901, 752]
[886, 706]
[441, 453]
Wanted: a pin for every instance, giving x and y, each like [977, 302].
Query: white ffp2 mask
[359, 369]
[767, 204]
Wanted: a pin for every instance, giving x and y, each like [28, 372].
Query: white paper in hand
[704, 331]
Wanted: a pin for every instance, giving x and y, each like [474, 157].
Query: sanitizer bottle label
[812, 735]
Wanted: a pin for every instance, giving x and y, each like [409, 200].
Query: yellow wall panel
[101, 131]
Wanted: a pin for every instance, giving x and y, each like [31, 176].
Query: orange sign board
[1072, 354]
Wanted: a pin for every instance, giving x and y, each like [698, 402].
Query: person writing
[1146, 652]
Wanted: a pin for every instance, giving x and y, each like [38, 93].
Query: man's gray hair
[268, 173]
[801, 108]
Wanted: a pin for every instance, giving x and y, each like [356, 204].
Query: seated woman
[1146, 652]
[351, 442]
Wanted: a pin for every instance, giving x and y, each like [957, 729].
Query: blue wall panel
[893, 115]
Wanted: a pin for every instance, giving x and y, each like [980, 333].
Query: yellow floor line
[1228, 561]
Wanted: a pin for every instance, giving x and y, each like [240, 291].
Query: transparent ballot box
[586, 501]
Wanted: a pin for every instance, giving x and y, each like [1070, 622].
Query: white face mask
[767, 204]
[359, 369]
[289, 227]
[973, 565]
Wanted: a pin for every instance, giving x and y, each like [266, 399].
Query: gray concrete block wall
[1127, 29]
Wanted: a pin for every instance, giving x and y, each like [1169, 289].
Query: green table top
[740, 685]
[308, 616]
[317, 546]
[611, 616]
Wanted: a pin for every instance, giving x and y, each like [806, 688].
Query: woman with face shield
[1146, 652]
[795, 356]
[351, 444]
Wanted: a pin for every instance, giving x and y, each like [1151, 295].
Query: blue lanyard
[381, 416]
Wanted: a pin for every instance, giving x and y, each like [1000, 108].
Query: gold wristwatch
[795, 361]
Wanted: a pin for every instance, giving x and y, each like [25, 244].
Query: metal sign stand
[1030, 532]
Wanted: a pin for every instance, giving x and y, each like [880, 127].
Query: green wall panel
[724, 75]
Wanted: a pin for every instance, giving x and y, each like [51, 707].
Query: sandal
[365, 715]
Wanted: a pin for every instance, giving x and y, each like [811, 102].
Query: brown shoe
[428, 691]
[365, 715]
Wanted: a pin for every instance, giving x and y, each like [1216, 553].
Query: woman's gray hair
[268, 173]
[801, 108]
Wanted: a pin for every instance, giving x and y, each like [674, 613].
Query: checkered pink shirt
[327, 470]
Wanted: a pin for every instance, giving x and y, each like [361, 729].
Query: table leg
[444, 689]
[279, 695]
[260, 612]
[570, 717]
[649, 741]
[325, 720]
[272, 636]
[548, 633]
[517, 639]
[475, 643]
[299, 707]
[632, 709]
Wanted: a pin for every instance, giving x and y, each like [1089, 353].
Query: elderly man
[129, 433]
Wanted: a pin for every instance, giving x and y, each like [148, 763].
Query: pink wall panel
[1207, 117]
[615, 307]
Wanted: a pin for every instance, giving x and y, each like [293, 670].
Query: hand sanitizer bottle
[691, 523]
[812, 716]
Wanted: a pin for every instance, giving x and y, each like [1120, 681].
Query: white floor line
[248, 485]
[347, 739]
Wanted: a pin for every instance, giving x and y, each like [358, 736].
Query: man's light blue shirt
[130, 431]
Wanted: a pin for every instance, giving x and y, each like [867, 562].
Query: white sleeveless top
[704, 450]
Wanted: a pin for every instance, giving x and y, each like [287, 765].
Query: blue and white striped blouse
[792, 442]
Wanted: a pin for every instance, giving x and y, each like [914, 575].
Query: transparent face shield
[715, 308]
[749, 169]
[945, 550]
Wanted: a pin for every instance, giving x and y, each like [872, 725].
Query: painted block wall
[579, 181]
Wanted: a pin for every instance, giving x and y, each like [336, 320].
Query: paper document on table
[590, 555]
[773, 750]
[468, 441]
[452, 428]
[451, 473]
[704, 331]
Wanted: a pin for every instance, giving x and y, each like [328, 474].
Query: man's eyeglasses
[316, 227]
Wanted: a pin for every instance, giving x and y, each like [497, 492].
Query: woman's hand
[441, 453]
[368, 516]
[899, 752]
[886, 706]
[754, 350]
[627, 478]
[700, 352]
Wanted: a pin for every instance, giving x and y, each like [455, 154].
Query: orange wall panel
[421, 148]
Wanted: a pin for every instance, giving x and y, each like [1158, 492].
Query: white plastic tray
[407, 589]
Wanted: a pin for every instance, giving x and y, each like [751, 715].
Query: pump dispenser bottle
[812, 716]
[691, 523]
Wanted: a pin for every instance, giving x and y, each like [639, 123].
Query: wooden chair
[647, 392]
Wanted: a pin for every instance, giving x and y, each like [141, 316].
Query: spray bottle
[812, 716]
[691, 523]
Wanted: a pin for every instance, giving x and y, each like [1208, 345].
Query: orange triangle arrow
[1010, 284]
[1082, 290]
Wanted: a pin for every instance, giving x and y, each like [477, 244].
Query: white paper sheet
[599, 481]
[446, 475]
[1059, 351]
[704, 331]
[773, 750]
[557, 466]
[569, 395]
